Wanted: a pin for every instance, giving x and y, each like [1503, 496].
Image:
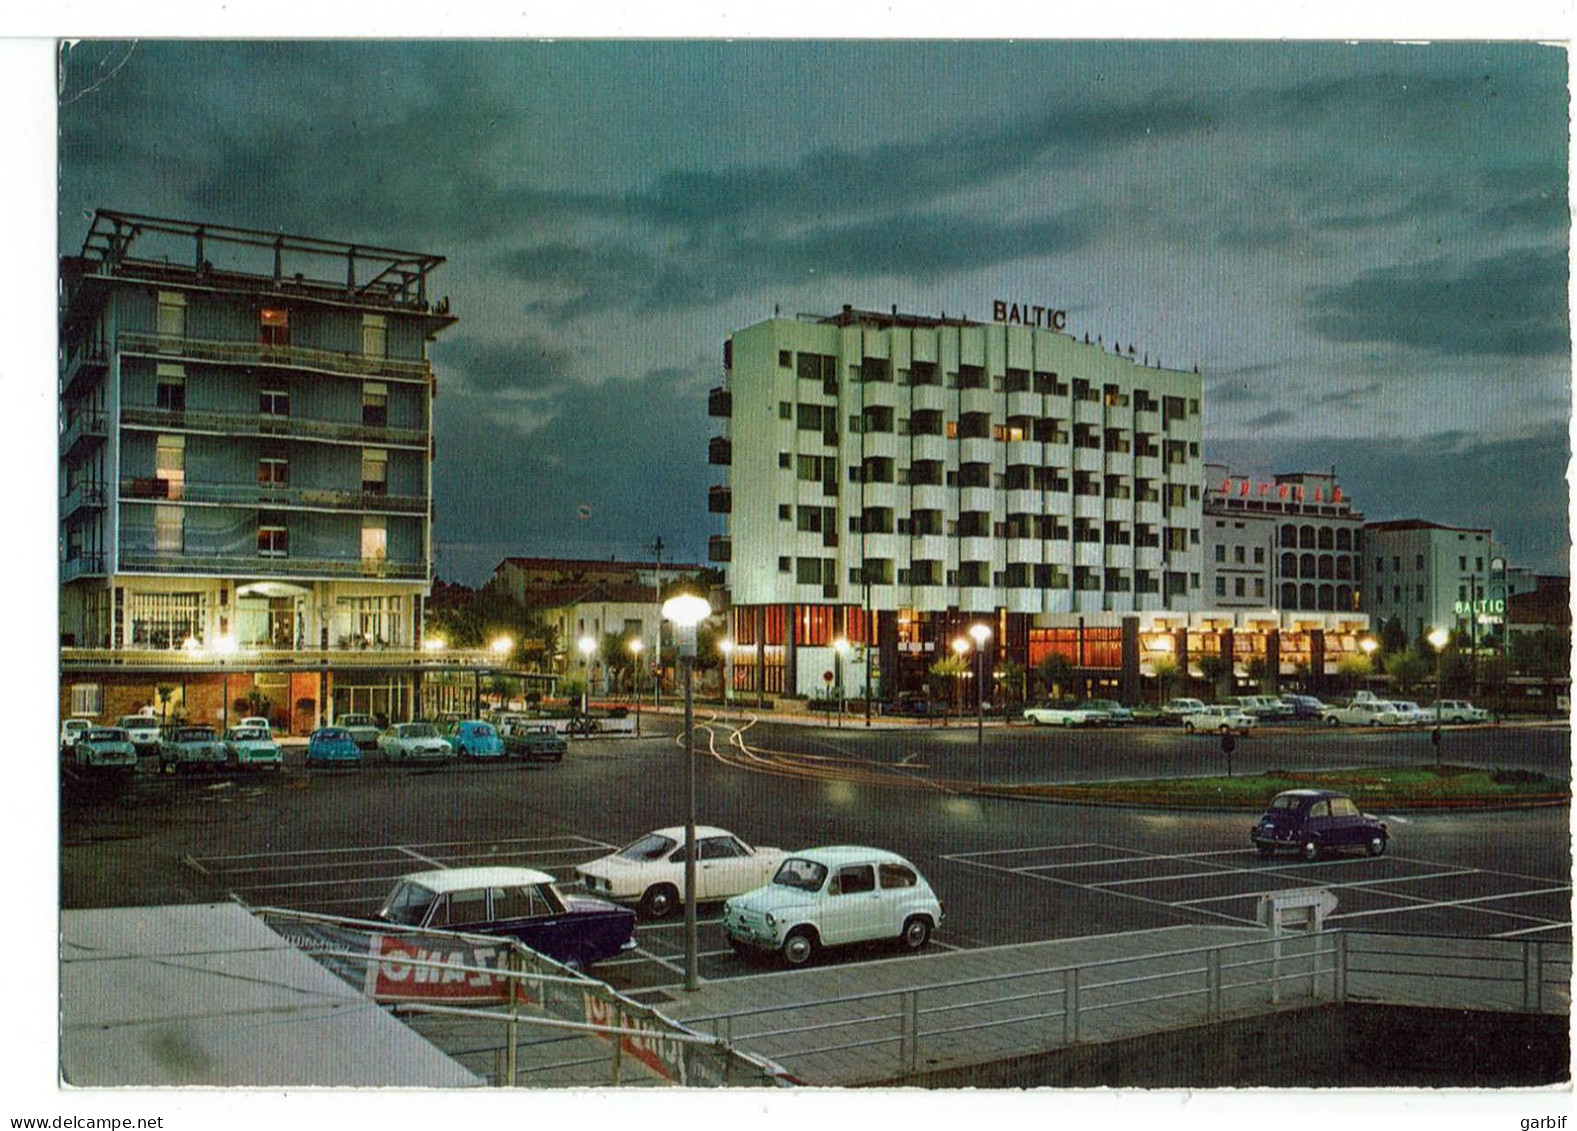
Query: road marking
[1361, 884]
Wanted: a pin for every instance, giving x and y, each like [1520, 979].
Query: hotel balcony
[89, 362]
[720, 401]
[258, 424]
[82, 565]
[87, 429]
[254, 565]
[720, 450]
[83, 495]
[252, 495]
[719, 500]
[231, 352]
[719, 548]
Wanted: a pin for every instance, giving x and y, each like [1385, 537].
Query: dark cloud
[521, 365]
[1513, 304]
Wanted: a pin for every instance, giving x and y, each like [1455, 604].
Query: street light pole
[635, 649]
[1439, 638]
[840, 648]
[980, 634]
[687, 611]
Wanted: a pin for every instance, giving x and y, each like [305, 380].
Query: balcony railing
[719, 401]
[251, 495]
[83, 565]
[248, 565]
[719, 548]
[262, 424]
[86, 494]
[91, 357]
[259, 353]
[719, 500]
[87, 426]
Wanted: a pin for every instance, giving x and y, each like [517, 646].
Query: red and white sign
[396, 977]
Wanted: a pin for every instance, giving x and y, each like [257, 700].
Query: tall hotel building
[245, 469]
[893, 479]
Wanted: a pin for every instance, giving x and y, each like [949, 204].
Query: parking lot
[1389, 893]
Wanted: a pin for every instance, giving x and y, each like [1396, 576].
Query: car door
[1346, 824]
[851, 909]
[1317, 823]
[721, 868]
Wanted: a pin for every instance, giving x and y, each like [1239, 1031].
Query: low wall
[1326, 1046]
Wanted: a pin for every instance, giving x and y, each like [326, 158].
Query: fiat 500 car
[521, 903]
[831, 897]
[104, 748]
[414, 742]
[1313, 822]
[329, 746]
[650, 871]
[473, 738]
[253, 746]
[190, 746]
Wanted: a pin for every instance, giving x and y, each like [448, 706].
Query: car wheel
[799, 948]
[1375, 845]
[916, 932]
[1330, 720]
[1188, 726]
[1225, 729]
[1311, 850]
[659, 900]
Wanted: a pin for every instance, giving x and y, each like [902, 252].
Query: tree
[1408, 669]
[1392, 636]
[1354, 668]
[1216, 670]
[1166, 671]
[1054, 674]
[949, 671]
[1545, 653]
[1010, 678]
[1258, 672]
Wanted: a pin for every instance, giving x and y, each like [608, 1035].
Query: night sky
[1362, 247]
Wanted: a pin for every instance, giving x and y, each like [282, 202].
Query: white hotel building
[892, 479]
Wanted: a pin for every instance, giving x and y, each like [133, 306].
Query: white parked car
[1221, 718]
[1364, 712]
[1048, 715]
[1414, 715]
[414, 741]
[1176, 710]
[253, 746]
[257, 721]
[649, 872]
[143, 730]
[363, 729]
[71, 730]
[1456, 711]
[829, 897]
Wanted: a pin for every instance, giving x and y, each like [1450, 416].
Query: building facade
[246, 460]
[1427, 576]
[1291, 542]
[892, 478]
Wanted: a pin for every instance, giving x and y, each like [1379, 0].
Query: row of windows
[812, 519]
[273, 469]
[273, 327]
[977, 474]
[879, 419]
[273, 396]
[824, 368]
[273, 534]
[1318, 538]
[1418, 564]
[978, 575]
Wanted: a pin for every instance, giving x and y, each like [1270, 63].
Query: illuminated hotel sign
[1022, 314]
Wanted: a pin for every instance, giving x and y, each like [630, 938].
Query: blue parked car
[1314, 822]
[333, 746]
[472, 738]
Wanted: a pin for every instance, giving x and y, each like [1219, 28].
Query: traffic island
[1390, 787]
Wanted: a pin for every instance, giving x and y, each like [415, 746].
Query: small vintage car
[414, 742]
[1312, 822]
[534, 741]
[144, 732]
[1049, 714]
[473, 738]
[330, 746]
[1116, 714]
[103, 749]
[830, 897]
[521, 903]
[1455, 711]
[1176, 710]
[364, 730]
[71, 730]
[1366, 712]
[251, 746]
[650, 872]
[1219, 717]
[192, 746]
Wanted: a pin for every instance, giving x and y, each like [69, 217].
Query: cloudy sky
[1362, 247]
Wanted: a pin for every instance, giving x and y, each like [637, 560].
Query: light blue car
[474, 738]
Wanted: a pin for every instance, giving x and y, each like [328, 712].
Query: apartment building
[1428, 575]
[245, 465]
[891, 479]
[1291, 542]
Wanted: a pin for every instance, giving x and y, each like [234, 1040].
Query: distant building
[1428, 575]
[245, 469]
[1291, 542]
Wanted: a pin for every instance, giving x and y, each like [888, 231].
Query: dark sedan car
[521, 903]
[1312, 822]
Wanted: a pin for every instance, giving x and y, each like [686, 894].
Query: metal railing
[1012, 1014]
[537, 995]
[260, 353]
[265, 424]
[271, 496]
[198, 561]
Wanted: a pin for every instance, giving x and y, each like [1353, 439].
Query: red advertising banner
[644, 1041]
[398, 977]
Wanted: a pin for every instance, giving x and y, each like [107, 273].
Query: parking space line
[1353, 884]
[1473, 903]
[395, 847]
[964, 856]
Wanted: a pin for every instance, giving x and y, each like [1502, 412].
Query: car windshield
[1287, 801]
[193, 734]
[105, 736]
[652, 846]
[407, 905]
[477, 730]
[246, 734]
[332, 735]
[138, 722]
[797, 873]
[356, 720]
[419, 730]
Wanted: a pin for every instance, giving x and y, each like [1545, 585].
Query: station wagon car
[830, 897]
[1116, 714]
[522, 903]
[651, 871]
[1312, 822]
[473, 738]
[104, 748]
[253, 746]
[1455, 711]
[1219, 717]
[534, 741]
[1051, 715]
[192, 746]
[409, 742]
[1176, 710]
[331, 745]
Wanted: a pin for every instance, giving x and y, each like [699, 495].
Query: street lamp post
[587, 646]
[685, 612]
[840, 648]
[980, 634]
[636, 646]
[1439, 638]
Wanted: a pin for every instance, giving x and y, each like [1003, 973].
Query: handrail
[261, 353]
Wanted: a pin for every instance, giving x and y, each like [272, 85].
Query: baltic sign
[1022, 314]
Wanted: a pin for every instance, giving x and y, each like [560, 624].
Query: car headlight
[771, 922]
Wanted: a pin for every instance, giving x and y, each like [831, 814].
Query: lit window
[273, 538]
[274, 327]
[374, 539]
[169, 530]
[374, 335]
[273, 472]
[172, 315]
[170, 461]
